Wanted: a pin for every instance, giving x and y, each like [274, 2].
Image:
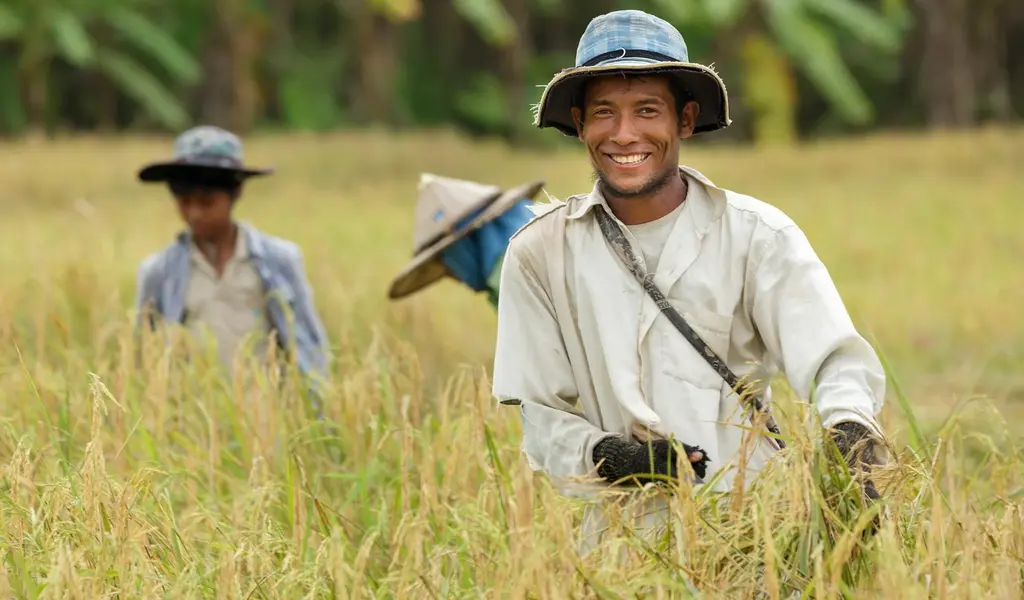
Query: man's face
[205, 198]
[207, 211]
[631, 129]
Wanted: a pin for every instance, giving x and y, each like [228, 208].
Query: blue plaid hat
[204, 147]
[632, 41]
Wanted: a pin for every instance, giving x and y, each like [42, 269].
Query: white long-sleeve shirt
[587, 353]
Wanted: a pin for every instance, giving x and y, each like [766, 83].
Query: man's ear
[577, 120]
[688, 119]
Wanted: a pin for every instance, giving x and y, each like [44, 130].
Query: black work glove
[617, 459]
[852, 440]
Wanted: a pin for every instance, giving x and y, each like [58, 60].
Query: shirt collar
[706, 208]
[253, 239]
[248, 244]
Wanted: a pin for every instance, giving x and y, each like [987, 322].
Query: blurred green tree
[794, 67]
[111, 37]
[766, 41]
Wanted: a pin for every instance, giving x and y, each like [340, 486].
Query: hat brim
[425, 268]
[707, 88]
[167, 171]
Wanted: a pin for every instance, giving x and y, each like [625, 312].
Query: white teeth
[631, 159]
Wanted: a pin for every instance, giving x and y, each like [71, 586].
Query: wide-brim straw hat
[443, 206]
[632, 41]
[200, 151]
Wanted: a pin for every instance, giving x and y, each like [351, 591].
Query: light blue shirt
[162, 285]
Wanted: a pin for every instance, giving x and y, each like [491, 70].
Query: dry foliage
[158, 479]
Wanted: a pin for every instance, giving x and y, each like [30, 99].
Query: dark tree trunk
[515, 60]
[34, 72]
[1015, 56]
[375, 51]
[281, 49]
[991, 58]
[106, 104]
[445, 37]
[947, 81]
[228, 92]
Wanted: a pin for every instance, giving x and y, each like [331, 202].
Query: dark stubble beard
[655, 184]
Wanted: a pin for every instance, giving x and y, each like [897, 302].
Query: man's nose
[626, 131]
[193, 211]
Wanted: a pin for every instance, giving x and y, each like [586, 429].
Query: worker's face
[205, 207]
[631, 129]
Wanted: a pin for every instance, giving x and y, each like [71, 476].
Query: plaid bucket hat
[632, 41]
[204, 147]
[447, 210]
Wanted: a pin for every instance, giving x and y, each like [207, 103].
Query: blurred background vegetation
[795, 68]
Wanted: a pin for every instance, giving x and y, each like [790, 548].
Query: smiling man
[589, 344]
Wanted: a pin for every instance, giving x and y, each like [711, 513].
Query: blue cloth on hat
[630, 37]
[472, 258]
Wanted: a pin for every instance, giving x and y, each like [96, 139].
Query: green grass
[132, 480]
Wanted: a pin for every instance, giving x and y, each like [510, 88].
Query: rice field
[126, 475]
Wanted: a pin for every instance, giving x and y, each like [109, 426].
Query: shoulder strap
[613, 235]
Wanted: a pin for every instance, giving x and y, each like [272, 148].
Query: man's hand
[618, 459]
[855, 444]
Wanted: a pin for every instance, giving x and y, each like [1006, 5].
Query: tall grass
[158, 478]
